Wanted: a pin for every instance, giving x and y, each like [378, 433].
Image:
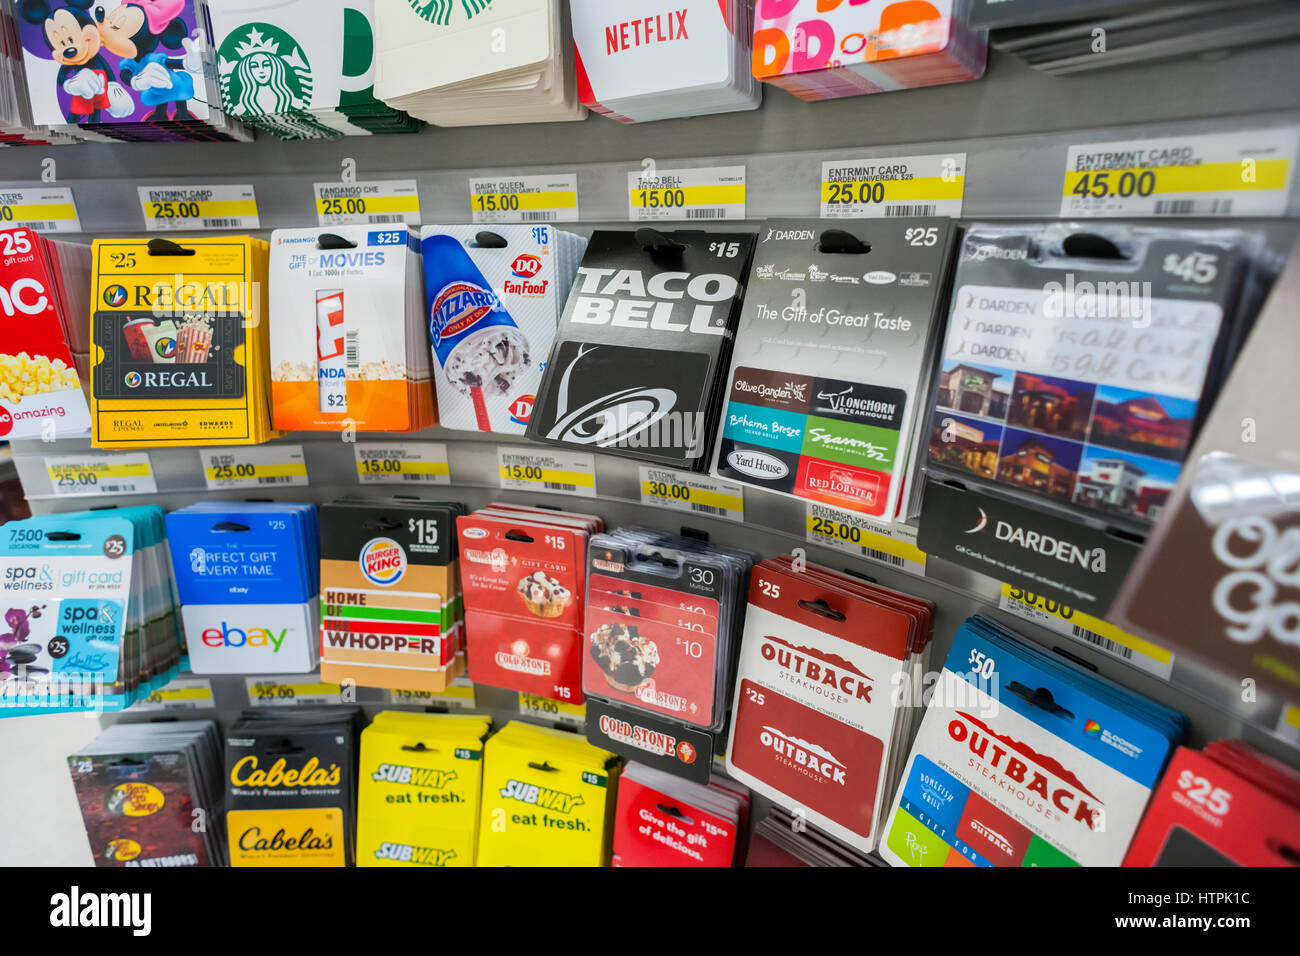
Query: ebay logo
[229, 636]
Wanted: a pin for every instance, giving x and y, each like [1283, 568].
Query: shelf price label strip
[545, 708]
[458, 696]
[222, 206]
[180, 694]
[890, 187]
[1065, 620]
[703, 193]
[267, 466]
[45, 209]
[861, 537]
[571, 473]
[368, 203]
[402, 462]
[126, 474]
[525, 199]
[287, 692]
[1236, 174]
[697, 494]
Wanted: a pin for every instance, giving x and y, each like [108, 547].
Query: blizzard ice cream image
[489, 361]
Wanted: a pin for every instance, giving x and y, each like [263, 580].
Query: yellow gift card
[548, 799]
[418, 797]
[179, 345]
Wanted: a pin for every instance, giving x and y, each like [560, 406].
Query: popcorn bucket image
[193, 343]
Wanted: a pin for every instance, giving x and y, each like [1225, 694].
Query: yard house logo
[415, 855]
[127, 910]
[15, 298]
[115, 296]
[132, 379]
[428, 777]
[438, 12]
[458, 307]
[880, 277]
[757, 464]
[263, 72]
[383, 561]
[1025, 768]
[543, 797]
[812, 760]
[247, 773]
[822, 673]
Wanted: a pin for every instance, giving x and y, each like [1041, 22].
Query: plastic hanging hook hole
[490, 240]
[656, 243]
[543, 766]
[232, 526]
[841, 242]
[513, 535]
[165, 247]
[330, 240]
[820, 607]
[1090, 245]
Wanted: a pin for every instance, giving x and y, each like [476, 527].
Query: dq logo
[521, 408]
[383, 561]
[132, 379]
[526, 266]
[115, 296]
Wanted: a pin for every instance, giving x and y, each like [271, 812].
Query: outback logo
[1090, 559]
[828, 670]
[757, 464]
[132, 379]
[526, 266]
[544, 797]
[787, 235]
[813, 760]
[131, 911]
[13, 298]
[427, 777]
[457, 308]
[383, 561]
[1045, 776]
[981, 252]
[880, 277]
[521, 409]
[993, 836]
[416, 855]
[115, 296]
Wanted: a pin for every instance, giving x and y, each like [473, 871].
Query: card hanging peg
[165, 247]
[839, 241]
[490, 240]
[330, 240]
[1090, 245]
[657, 244]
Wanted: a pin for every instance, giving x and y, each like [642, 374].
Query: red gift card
[814, 760]
[681, 609]
[647, 664]
[654, 829]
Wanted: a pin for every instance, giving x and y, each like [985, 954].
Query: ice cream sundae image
[543, 595]
[625, 657]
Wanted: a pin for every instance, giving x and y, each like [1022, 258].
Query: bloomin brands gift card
[179, 343]
[548, 799]
[639, 297]
[389, 592]
[347, 341]
[831, 360]
[419, 792]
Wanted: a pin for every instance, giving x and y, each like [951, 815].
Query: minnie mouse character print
[84, 75]
[133, 31]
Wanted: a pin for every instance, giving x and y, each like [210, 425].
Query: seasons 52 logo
[383, 561]
[537, 796]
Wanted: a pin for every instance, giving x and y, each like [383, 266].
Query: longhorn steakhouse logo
[1036, 773]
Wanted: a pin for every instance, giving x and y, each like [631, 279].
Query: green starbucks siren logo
[439, 11]
[263, 71]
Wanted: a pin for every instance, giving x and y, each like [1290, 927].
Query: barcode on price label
[180, 694]
[264, 466]
[291, 691]
[552, 198]
[561, 472]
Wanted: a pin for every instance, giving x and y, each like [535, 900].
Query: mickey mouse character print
[84, 75]
[134, 31]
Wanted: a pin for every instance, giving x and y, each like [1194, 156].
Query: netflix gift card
[522, 579]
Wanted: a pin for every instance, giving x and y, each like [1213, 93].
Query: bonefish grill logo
[819, 669]
[417, 855]
[544, 797]
[246, 773]
[1022, 767]
[814, 760]
[428, 777]
[457, 308]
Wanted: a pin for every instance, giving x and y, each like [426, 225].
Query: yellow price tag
[897, 186]
[169, 208]
[551, 198]
[858, 535]
[545, 708]
[694, 493]
[129, 474]
[266, 466]
[564, 472]
[263, 692]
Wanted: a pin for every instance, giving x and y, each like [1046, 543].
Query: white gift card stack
[477, 62]
[671, 59]
[302, 69]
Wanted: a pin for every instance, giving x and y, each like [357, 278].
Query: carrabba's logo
[1036, 773]
[543, 797]
[428, 777]
[819, 668]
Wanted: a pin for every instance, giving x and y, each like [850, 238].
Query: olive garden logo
[439, 11]
[264, 71]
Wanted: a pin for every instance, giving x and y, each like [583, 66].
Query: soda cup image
[137, 342]
[331, 350]
[193, 343]
[476, 344]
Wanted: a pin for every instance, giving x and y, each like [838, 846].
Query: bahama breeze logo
[383, 561]
[115, 296]
[132, 379]
[457, 308]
